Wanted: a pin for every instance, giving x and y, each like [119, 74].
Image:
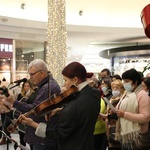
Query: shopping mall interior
[100, 34]
[93, 29]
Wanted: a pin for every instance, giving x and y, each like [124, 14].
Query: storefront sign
[6, 48]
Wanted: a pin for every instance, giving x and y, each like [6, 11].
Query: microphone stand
[10, 139]
[9, 84]
[14, 86]
[15, 142]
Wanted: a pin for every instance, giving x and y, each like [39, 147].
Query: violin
[46, 106]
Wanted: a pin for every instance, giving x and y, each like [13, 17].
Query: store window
[124, 63]
[6, 55]
[26, 51]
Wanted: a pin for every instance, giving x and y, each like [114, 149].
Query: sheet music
[109, 104]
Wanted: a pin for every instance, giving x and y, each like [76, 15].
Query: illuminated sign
[6, 48]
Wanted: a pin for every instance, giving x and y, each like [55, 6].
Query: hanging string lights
[56, 52]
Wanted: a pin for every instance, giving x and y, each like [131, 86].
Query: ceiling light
[80, 13]
[23, 6]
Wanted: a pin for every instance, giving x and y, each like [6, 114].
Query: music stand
[12, 140]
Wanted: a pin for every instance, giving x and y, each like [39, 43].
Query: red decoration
[145, 18]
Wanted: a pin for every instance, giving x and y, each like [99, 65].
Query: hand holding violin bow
[28, 121]
[47, 108]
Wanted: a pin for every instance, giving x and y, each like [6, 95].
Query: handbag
[142, 142]
[112, 135]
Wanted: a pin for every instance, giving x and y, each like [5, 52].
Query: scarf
[127, 130]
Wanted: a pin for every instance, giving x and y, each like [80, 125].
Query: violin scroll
[11, 128]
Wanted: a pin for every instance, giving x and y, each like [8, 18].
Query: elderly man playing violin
[75, 128]
[46, 87]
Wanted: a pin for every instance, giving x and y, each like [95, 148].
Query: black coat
[77, 121]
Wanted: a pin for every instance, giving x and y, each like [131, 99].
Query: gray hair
[39, 64]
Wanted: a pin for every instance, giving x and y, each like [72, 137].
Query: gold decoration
[56, 37]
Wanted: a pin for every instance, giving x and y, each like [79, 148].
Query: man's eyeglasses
[32, 74]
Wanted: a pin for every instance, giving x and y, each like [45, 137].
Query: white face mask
[128, 87]
[104, 89]
[116, 93]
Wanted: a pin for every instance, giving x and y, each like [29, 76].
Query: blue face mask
[104, 89]
[128, 87]
[116, 93]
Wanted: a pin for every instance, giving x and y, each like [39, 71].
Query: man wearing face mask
[133, 110]
[106, 87]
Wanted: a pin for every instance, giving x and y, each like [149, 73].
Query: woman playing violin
[75, 128]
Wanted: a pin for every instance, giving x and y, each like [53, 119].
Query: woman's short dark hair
[75, 69]
[133, 75]
[146, 81]
[117, 76]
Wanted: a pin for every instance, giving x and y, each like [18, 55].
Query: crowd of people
[104, 112]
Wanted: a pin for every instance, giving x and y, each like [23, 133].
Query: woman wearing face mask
[117, 92]
[133, 110]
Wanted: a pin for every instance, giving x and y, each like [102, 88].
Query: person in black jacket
[78, 116]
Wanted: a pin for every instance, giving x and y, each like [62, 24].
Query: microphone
[21, 80]
[18, 82]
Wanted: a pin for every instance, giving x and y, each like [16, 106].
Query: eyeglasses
[32, 74]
